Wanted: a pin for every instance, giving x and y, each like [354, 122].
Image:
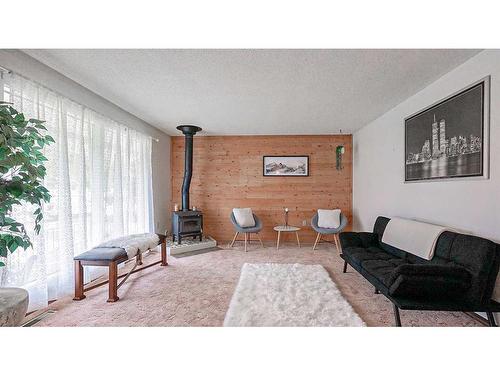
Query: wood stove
[187, 223]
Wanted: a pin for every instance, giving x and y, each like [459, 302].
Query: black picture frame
[268, 159]
[450, 138]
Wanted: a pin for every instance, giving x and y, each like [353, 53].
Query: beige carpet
[196, 291]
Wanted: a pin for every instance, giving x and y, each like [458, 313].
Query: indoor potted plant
[21, 181]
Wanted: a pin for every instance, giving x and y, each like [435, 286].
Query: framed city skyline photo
[449, 139]
[289, 166]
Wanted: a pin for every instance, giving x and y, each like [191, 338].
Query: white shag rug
[288, 295]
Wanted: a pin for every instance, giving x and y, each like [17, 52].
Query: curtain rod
[8, 71]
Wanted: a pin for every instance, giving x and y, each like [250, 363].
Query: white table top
[282, 228]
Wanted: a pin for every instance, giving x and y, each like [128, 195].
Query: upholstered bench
[110, 254]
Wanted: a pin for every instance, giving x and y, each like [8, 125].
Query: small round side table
[288, 228]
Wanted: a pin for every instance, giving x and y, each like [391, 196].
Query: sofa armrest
[429, 281]
[358, 239]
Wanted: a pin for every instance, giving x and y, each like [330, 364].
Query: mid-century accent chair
[246, 230]
[326, 231]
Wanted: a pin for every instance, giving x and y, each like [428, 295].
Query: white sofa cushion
[329, 218]
[244, 217]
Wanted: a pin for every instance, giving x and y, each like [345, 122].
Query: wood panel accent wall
[227, 173]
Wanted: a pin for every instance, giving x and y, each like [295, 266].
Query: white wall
[378, 182]
[35, 70]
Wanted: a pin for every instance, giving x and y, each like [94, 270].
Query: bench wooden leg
[79, 294]
[164, 254]
[113, 282]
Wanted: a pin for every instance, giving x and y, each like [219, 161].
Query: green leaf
[15, 188]
[19, 118]
[35, 121]
[21, 145]
[13, 247]
[2, 264]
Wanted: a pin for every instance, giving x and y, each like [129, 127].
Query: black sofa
[460, 276]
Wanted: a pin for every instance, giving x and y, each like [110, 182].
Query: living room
[236, 185]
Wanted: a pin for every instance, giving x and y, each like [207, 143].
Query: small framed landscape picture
[449, 139]
[291, 166]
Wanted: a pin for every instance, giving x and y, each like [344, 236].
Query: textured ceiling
[255, 91]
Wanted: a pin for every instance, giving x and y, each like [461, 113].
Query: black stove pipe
[189, 131]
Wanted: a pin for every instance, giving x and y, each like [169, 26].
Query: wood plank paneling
[227, 173]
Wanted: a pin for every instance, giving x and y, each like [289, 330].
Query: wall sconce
[339, 151]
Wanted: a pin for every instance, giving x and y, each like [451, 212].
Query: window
[99, 176]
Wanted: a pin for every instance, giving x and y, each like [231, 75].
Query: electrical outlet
[304, 222]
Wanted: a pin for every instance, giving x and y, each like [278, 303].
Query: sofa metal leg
[397, 318]
[345, 266]
[491, 319]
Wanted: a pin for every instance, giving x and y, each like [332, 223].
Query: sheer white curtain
[99, 176]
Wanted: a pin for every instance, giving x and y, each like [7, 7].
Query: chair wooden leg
[318, 237]
[298, 240]
[164, 261]
[246, 239]
[258, 236]
[113, 282]
[234, 239]
[138, 259]
[79, 294]
[337, 242]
